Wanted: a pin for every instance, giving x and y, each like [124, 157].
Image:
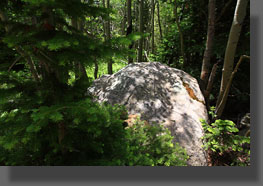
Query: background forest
[52, 50]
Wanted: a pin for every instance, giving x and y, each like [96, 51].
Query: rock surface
[159, 94]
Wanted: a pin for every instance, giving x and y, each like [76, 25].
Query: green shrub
[152, 146]
[93, 134]
[221, 138]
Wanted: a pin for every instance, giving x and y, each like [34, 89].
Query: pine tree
[39, 108]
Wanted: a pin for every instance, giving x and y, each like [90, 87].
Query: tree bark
[153, 9]
[80, 68]
[104, 23]
[129, 28]
[233, 38]
[180, 33]
[209, 45]
[159, 20]
[124, 20]
[108, 38]
[96, 70]
[107, 35]
[140, 30]
[210, 85]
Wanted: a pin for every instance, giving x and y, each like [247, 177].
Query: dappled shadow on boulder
[159, 94]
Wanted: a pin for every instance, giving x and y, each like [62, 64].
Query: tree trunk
[108, 38]
[124, 20]
[182, 12]
[141, 31]
[233, 38]
[159, 21]
[153, 9]
[96, 70]
[180, 33]
[129, 28]
[80, 68]
[104, 23]
[209, 45]
[210, 85]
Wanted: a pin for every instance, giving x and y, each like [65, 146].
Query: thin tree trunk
[180, 33]
[153, 9]
[104, 23]
[159, 21]
[81, 72]
[210, 85]
[141, 31]
[61, 133]
[146, 44]
[108, 38]
[4, 18]
[234, 34]
[96, 70]
[220, 108]
[209, 45]
[182, 12]
[123, 26]
[74, 23]
[76, 64]
[129, 28]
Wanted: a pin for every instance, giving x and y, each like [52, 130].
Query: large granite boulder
[159, 94]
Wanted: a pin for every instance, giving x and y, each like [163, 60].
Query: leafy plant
[221, 138]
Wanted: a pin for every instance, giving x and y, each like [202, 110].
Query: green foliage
[168, 49]
[94, 135]
[221, 138]
[48, 119]
[153, 146]
[102, 67]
